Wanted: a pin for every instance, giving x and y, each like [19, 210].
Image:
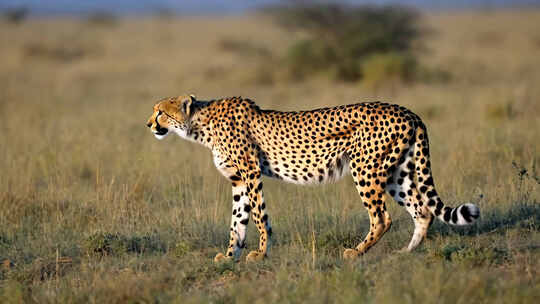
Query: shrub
[16, 15]
[104, 244]
[341, 38]
[181, 248]
[309, 56]
[393, 67]
[102, 18]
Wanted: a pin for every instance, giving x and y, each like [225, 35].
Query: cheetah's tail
[465, 214]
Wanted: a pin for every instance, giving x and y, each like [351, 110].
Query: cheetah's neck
[198, 128]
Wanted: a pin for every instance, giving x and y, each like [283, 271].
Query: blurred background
[82, 175]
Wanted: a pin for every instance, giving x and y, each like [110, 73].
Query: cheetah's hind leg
[402, 188]
[370, 188]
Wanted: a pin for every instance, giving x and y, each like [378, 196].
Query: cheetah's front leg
[260, 218]
[239, 221]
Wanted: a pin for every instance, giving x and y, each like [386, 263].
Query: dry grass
[81, 171]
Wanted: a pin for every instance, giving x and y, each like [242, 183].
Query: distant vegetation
[15, 15]
[103, 18]
[351, 42]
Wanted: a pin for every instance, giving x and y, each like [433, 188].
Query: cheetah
[383, 146]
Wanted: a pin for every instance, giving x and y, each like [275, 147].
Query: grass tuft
[105, 244]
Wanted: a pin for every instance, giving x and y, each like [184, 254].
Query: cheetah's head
[172, 115]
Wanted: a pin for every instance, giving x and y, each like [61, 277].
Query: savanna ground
[94, 209]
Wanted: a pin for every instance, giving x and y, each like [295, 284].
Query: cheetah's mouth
[161, 131]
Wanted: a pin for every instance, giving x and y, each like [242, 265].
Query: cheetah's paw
[255, 256]
[220, 257]
[351, 254]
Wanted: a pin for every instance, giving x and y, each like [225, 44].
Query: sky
[223, 6]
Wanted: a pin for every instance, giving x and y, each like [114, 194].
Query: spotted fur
[383, 146]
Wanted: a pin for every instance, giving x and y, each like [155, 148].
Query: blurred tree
[342, 37]
[16, 15]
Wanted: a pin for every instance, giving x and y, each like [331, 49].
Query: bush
[343, 39]
[104, 244]
[102, 18]
[16, 15]
[392, 67]
[181, 248]
[307, 57]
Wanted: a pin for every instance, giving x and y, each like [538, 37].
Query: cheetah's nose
[149, 124]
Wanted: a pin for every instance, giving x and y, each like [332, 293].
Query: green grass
[94, 209]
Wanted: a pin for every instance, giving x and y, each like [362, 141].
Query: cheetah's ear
[187, 105]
